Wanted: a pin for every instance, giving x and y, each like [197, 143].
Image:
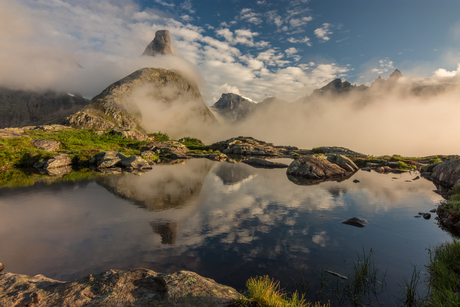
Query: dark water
[224, 221]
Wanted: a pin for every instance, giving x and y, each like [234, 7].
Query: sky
[258, 49]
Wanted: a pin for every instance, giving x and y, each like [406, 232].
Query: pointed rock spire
[161, 44]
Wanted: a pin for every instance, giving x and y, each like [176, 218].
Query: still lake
[224, 221]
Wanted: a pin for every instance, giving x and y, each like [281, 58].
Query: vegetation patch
[451, 205]
[192, 143]
[79, 144]
[444, 268]
[318, 150]
[261, 291]
[159, 136]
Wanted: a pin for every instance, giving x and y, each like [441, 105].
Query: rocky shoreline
[137, 287]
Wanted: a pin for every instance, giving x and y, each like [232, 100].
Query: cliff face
[28, 108]
[161, 44]
[117, 105]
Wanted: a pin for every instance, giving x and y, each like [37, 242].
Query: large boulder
[47, 145]
[321, 167]
[56, 161]
[138, 287]
[446, 173]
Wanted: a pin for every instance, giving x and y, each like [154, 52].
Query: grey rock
[107, 159]
[367, 169]
[135, 162]
[316, 167]
[47, 145]
[56, 161]
[446, 173]
[131, 134]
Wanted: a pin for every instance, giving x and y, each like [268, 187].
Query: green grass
[79, 144]
[261, 291]
[318, 150]
[444, 268]
[160, 137]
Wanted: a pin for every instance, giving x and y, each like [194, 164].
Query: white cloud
[443, 73]
[291, 51]
[248, 15]
[305, 40]
[324, 32]
[187, 5]
[297, 22]
[186, 18]
[164, 3]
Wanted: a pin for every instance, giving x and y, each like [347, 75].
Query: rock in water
[354, 221]
[116, 107]
[161, 44]
[321, 167]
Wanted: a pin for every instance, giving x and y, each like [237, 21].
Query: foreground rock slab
[138, 287]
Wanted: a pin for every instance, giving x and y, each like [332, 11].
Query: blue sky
[257, 48]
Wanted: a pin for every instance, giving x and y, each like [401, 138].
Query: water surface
[224, 221]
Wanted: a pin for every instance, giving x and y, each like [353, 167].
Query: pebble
[2, 266]
[426, 216]
[356, 181]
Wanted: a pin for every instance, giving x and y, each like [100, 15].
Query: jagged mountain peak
[161, 44]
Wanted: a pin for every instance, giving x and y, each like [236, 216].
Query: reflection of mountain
[231, 173]
[167, 231]
[163, 188]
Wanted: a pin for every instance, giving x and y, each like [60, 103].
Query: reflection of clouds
[320, 238]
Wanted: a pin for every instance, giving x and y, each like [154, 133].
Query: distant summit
[161, 44]
[233, 107]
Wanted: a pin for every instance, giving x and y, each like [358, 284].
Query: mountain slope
[28, 108]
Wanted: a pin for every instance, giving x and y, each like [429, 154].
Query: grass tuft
[265, 292]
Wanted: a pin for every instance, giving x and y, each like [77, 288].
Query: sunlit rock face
[28, 108]
[122, 104]
[160, 45]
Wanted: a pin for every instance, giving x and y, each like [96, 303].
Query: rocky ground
[138, 287]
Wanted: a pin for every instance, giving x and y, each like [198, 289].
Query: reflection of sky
[266, 225]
